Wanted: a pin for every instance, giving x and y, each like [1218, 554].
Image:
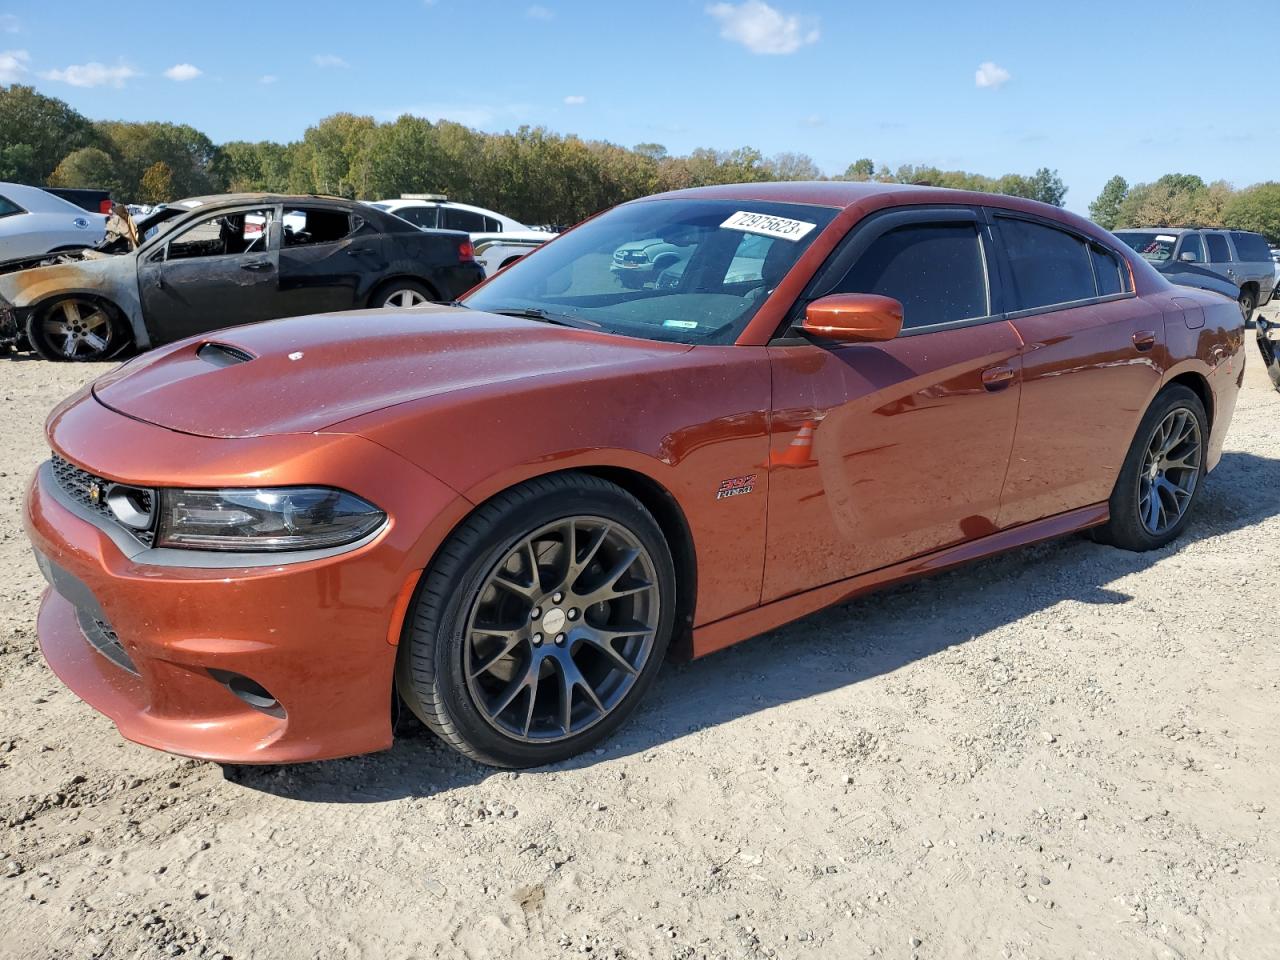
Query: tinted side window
[1048, 265]
[1191, 244]
[419, 216]
[1107, 271]
[935, 271]
[303, 226]
[455, 219]
[1219, 252]
[1251, 247]
[492, 226]
[8, 208]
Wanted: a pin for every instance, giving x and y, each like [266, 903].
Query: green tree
[1255, 208]
[37, 132]
[863, 169]
[792, 166]
[1047, 187]
[1105, 210]
[185, 150]
[337, 158]
[243, 167]
[157, 184]
[402, 157]
[87, 167]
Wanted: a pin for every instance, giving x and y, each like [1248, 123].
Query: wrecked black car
[1269, 346]
[210, 262]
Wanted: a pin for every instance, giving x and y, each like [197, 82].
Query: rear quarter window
[8, 208]
[1251, 247]
[1108, 272]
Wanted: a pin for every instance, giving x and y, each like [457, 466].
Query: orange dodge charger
[689, 420]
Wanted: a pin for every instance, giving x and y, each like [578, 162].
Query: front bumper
[314, 634]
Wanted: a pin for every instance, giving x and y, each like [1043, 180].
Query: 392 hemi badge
[735, 486]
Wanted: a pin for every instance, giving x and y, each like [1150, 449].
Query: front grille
[103, 639]
[91, 491]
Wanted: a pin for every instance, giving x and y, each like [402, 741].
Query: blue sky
[1091, 88]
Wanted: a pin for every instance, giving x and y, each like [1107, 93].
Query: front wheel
[1162, 474]
[542, 622]
[76, 328]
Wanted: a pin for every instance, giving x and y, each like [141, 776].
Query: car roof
[870, 196]
[229, 199]
[36, 200]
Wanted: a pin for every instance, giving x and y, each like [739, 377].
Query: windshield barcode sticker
[767, 226]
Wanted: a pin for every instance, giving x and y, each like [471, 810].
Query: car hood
[306, 374]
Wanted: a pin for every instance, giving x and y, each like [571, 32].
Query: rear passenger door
[329, 260]
[1218, 255]
[1092, 358]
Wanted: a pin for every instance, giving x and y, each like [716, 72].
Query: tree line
[1185, 200]
[531, 174]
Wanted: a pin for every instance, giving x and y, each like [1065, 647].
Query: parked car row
[211, 262]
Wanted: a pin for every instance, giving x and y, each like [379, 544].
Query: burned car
[211, 262]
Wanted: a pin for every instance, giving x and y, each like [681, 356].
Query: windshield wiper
[543, 316]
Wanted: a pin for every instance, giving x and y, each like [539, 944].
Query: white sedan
[33, 223]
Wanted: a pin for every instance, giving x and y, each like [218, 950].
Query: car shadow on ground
[834, 648]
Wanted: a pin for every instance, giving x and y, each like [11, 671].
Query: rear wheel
[402, 293]
[1248, 303]
[542, 622]
[76, 328]
[1162, 473]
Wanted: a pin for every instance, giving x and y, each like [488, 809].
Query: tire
[399, 294]
[455, 676]
[1248, 304]
[77, 328]
[1135, 524]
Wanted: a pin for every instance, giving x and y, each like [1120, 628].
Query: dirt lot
[1066, 752]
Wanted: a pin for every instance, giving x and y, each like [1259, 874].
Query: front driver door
[217, 272]
[880, 452]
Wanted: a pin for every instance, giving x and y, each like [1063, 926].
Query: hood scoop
[223, 354]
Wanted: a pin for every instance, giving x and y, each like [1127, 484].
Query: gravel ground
[1065, 752]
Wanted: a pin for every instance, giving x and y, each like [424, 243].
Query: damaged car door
[220, 271]
[329, 260]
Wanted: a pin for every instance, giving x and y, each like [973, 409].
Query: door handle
[997, 377]
[1144, 340]
[256, 265]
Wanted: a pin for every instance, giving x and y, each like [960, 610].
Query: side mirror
[1186, 256]
[853, 318]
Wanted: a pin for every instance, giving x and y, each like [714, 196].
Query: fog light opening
[250, 691]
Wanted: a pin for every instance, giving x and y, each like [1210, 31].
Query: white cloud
[575, 100]
[183, 71]
[9, 23]
[13, 64]
[762, 29]
[93, 75]
[990, 75]
[329, 60]
[268, 78]
[814, 120]
[539, 12]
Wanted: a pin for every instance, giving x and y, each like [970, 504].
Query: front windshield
[1155, 247]
[689, 271]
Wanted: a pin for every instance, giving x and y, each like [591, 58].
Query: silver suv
[1242, 258]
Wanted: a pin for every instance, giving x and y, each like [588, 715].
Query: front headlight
[267, 518]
